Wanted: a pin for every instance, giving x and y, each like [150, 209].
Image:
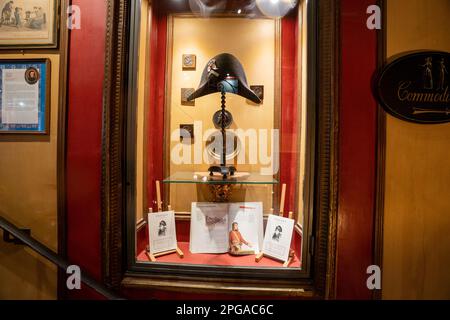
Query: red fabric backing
[155, 120]
[289, 112]
[216, 259]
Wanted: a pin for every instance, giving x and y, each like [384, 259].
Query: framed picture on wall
[24, 96]
[28, 24]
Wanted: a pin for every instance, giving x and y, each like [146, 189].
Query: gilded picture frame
[28, 24]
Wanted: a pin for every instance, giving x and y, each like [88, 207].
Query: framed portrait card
[161, 231]
[28, 24]
[278, 237]
[24, 96]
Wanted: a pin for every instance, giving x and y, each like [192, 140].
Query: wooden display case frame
[317, 278]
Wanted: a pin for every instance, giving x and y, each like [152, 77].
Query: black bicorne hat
[224, 67]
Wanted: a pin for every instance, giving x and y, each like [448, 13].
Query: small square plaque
[185, 93]
[189, 62]
[187, 132]
[259, 91]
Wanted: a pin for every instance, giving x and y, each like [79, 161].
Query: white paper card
[20, 100]
[162, 232]
[249, 217]
[209, 227]
[278, 237]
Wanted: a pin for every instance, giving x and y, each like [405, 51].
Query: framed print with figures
[28, 24]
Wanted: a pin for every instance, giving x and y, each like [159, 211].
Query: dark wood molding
[327, 146]
[322, 228]
[114, 100]
[210, 285]
[381, 154]
[64, 39]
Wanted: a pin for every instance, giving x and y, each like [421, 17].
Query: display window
[221, 127]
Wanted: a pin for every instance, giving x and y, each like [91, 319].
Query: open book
[226, 227]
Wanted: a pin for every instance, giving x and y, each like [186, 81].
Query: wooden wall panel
[28, 198]
[416, 255]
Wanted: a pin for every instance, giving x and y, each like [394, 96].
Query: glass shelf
[205, 178]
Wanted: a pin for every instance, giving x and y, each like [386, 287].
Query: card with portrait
[278, 237]
[161, 231]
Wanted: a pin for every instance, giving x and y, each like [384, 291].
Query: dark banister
[55, 258]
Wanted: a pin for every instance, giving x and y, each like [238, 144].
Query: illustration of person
[236, 240]
[27, 16]
[7, 13]
[162, 228]
[428, 73]
[32, 76]
[39, 19]
[442, 72]
[277, 233]
[17, 18]
[41, 14]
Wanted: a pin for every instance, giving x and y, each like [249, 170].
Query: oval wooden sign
[415, 87]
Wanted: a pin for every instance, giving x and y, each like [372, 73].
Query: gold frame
[57, 5]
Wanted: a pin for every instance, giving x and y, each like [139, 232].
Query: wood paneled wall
[416, 255]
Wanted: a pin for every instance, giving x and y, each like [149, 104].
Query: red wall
[357, 151]
[357, 146]
[84, 127]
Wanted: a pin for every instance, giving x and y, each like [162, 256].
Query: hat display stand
[222, 192]
[152, 256]
[291, 257]
[225, 171]
[223, 73]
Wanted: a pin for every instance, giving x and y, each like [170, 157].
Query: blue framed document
[24, 96]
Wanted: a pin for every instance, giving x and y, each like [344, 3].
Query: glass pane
[221, 125]
[206, 178]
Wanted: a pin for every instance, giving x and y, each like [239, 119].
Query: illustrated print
[277, 234]
[23, 16]
[162, 228]
[211, 221]
[236, 239]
